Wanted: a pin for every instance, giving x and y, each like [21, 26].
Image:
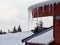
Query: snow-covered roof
[43, 3]
[45, 38]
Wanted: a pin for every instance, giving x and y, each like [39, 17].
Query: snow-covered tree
[19, 29]
[14, 30]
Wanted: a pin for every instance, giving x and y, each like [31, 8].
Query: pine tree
[19, 29]
[0, 31]
[14, 30]
[39, 27]
[4, 33]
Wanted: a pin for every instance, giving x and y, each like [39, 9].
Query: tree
[4, 33]
[14, 30]
[41, 24]
[0, 31]
[19, 29]
[39, 27]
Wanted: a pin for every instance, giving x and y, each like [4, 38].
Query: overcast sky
[15, 13]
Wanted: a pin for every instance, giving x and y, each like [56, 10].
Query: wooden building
[48, 8]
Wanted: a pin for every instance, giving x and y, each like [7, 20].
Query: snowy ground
[14, 38]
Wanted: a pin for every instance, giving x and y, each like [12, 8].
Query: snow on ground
[14, 38]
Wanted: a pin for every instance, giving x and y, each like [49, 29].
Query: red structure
[48, 8]
[27, 43]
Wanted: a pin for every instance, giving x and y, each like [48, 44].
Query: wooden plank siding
[56, 9]
[29, 43]
[56, 31]
[49, 10]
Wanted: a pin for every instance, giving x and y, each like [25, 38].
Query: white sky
[15, 13]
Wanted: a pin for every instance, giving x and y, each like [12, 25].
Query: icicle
[37, 12]
[52, 9]
[28, 19]
[43, 9]
[49, 8]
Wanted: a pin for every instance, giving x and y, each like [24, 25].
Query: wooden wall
[56, 31]
[57, 9]
[29, 43]
[47, 10]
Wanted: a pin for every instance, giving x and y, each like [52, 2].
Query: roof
[43, 3]
[38, 34]
[45, 38]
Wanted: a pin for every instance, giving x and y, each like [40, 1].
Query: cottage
[48, 8]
